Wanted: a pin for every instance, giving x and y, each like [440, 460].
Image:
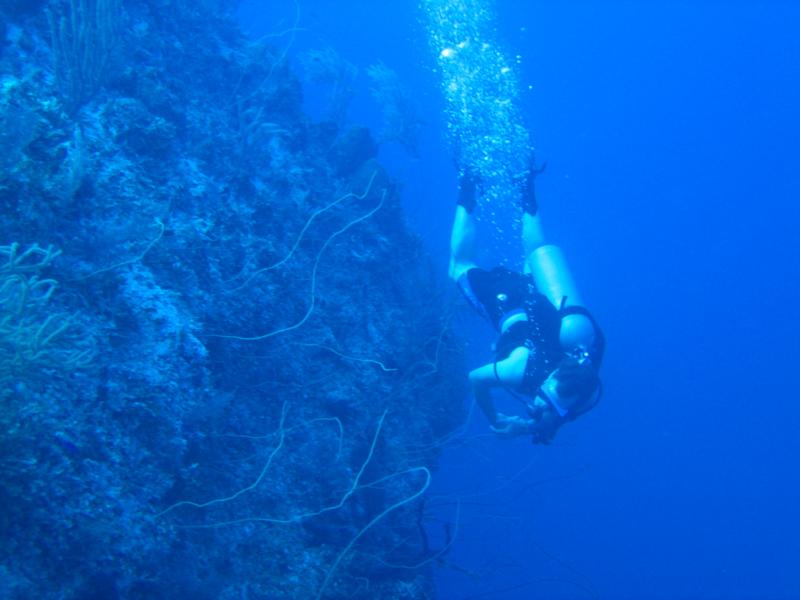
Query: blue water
[671, 132]
[226, 367]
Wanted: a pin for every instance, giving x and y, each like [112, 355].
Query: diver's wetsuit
[504, 296]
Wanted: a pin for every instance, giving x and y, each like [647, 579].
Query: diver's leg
[462, 236]
[532, 235]
[462, 243]
[552, 276]
[544, 261]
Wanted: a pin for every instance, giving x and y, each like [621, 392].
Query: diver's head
[571, 390]
[574, 382]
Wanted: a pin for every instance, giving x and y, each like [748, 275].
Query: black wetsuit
[501, 294]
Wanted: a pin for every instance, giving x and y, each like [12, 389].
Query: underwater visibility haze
[232, 364]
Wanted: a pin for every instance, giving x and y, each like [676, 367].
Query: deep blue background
[672, 132]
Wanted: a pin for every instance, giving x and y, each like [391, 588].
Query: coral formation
[240, 385]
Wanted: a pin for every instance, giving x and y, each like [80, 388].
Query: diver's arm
[509, 373]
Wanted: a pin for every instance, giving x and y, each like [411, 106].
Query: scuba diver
[549, 347]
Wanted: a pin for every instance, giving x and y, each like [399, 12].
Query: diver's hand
[509, 427]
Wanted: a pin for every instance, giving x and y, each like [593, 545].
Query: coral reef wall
[225, 367]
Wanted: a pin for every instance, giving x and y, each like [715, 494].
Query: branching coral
[31, 333]
[82, 37]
